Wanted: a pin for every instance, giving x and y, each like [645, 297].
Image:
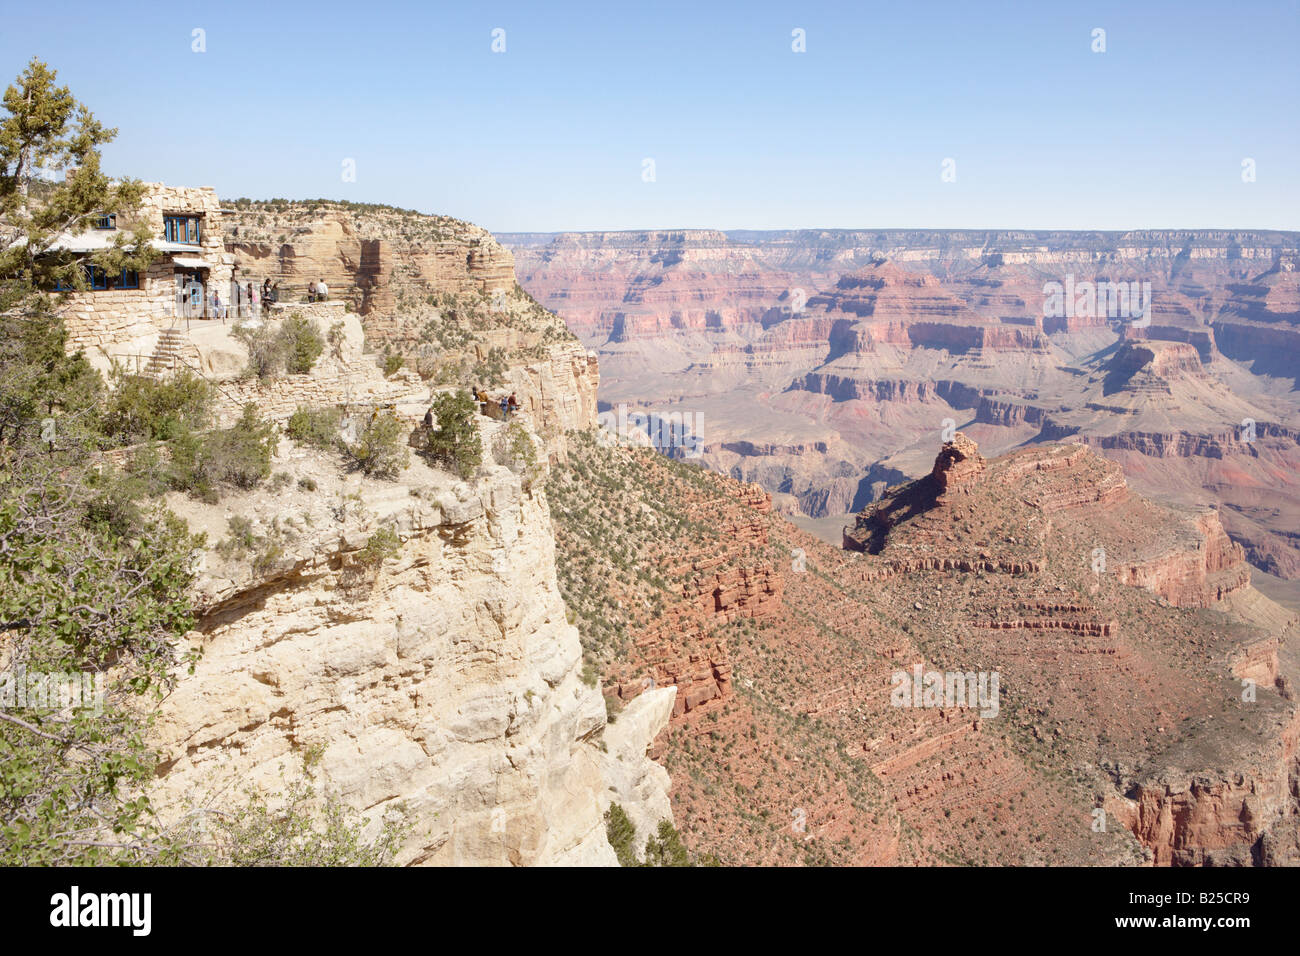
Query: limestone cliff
[445, 680]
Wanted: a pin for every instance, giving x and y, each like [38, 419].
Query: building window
[96, 277]
[130, 279]
[107, 222]
[181, 229]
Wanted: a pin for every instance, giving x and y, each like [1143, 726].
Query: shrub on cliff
[293, 348]
[301, 344]
[380, 450]
[143, 409]
[454, 442]
[621, 835]
[317, 427]
[298, 827]
[264, 356]
[381, 546]
[239, 456]
[515, 448]
[666, 848]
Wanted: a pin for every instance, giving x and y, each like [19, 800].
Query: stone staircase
[166, 356]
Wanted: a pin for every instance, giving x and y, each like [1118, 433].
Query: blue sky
[744, 133]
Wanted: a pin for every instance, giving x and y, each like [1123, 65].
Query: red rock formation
[1200, 576]
[983, 564]
[1224, 819]
[959, 463]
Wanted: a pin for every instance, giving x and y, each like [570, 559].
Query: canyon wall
[445, 682]
[857, 347]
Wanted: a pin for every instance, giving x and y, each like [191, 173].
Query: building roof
[97, 240]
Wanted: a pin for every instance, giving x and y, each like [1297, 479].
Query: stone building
[121, 316]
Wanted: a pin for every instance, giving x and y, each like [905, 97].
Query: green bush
[239, 456]
[142, 409]
[294, 347]
[301, 344]
[317, 427]
[392, 364]
[383, 544]
[380, 450]
[620, 833]
[667, 848]
[455, 442]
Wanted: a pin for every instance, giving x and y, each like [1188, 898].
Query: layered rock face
[1119, 693]
[1209, 793]
[446, 681]
[436, 291]
[374, 256]
[442, 680]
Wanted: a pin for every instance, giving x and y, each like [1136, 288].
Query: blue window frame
[99, 280]
[181, 229]
[107, 222]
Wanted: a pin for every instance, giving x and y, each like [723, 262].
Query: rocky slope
[1122, 734]
[444, 681]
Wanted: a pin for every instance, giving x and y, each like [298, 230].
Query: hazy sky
[554, 132]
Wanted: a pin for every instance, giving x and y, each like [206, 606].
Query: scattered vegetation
[664, 848]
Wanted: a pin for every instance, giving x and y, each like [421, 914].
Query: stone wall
[118, 316]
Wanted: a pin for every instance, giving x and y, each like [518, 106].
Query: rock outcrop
[444, 681]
